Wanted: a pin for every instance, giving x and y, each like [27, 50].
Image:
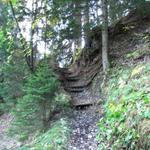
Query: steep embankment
[81, 79]
[126, 123]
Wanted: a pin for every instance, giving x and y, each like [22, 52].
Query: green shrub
[34, 108]
[13, 68]
[13, 72]
[62, 101]
[126, 123]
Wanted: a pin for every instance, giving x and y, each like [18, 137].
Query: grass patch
[139, 52]
[56, 138]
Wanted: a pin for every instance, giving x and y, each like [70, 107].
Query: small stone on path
[84, 129]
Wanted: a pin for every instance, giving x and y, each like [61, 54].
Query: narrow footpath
[84, 129]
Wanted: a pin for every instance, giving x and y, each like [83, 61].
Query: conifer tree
[33, 110]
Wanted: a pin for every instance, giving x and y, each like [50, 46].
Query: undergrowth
[126, 123]
[55, 138]
[43, 100]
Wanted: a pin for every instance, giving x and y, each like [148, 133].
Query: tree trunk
[86, 24]
[78, 30]
[23, 41]
[97, 12]
[44, 116]
[34, 17]
[105, 60]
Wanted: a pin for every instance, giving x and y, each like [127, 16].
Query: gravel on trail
[84, 129]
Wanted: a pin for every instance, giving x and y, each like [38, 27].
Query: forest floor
[6, 142]
[83, 122]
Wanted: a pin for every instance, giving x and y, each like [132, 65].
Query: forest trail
[84, 129]
[85, 96]
[79, 84]
[82, 82]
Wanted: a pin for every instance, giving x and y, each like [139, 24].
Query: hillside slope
[83, 77]
[124, 120]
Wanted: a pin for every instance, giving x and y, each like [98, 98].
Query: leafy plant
[14, 73]
[127, 111]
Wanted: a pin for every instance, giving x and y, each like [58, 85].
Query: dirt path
[84, 129]
[6, 142]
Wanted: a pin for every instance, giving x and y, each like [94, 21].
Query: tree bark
[105, 60]
[32, 46]
[24, 43]
[86, 24]
[78, 30]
